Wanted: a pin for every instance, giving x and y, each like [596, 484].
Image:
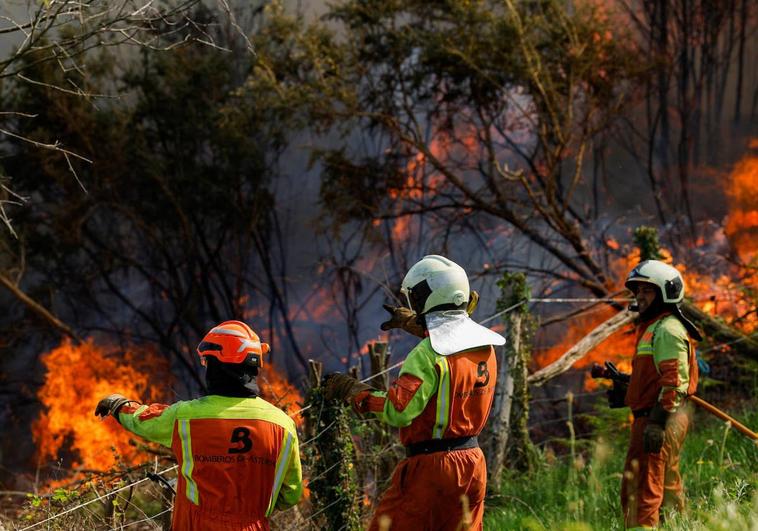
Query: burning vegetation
[275, 388]
[67, 433]
[742, 222]
[476, 144]
[726, 293]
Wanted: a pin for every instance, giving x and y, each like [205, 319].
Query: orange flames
[742, 222]
[78, 376]
[280, 392]
[717, 294]
[422, 180]
[617, 348]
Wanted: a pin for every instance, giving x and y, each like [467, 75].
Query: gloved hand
[405, 318]
[402, 317]
[617, 394]
[655, 430]
[338, 386]
[110, 405]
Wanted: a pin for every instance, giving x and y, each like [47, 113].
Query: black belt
[441, 445]
[642, 412]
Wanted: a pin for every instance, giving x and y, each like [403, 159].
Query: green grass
[719, 468]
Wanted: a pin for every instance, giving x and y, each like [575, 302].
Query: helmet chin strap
[692, 330]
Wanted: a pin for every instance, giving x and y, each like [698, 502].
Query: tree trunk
[740, 62]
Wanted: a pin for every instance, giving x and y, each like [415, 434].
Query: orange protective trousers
[426, 491]
[189, 517]
[651, 481]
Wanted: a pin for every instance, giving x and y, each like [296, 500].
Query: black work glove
[617, 394]
[338, 386]
[110, 405]
[655, 430]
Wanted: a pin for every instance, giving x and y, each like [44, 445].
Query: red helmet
[233, 342]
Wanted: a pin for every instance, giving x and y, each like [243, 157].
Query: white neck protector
[452, 331]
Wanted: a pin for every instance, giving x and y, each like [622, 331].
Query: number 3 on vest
[482, 372]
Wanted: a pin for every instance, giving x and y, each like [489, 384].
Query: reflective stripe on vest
[645, 346]
[443, 400]
[188, 463]
[282, 463]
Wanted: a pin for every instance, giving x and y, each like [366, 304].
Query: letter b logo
[241, 435]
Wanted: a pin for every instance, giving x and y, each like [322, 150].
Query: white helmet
[435, 283]
[667, 278]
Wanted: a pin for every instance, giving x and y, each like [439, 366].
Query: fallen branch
[581, 348]
[37, 308]
[719, 332]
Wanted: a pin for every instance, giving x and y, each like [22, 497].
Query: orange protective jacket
[664, 368]
[238, 459]
[436, 397]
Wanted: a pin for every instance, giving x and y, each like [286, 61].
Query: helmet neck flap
[227, 379]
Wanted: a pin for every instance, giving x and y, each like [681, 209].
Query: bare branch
[581, 348]
[37, 308]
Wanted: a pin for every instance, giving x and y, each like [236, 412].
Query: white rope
[146, 519]
[553, 300]
[502, 312]
[388, 369]
[314, 515]
[483, 321]
[728, 343]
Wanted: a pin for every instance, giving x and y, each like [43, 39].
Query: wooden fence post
[330, 454]
[379, 356]
[379, 458]
[506, 436]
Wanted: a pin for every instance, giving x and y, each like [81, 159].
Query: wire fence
[98, 498]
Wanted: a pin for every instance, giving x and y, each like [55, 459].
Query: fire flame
[721, 294]
[78, 376]
[422, 180]
[742, 222]
[276, 389]
[616, 348]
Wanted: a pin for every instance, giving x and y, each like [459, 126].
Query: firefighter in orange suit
[664, 374]
[237, 454]
[440, 402]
